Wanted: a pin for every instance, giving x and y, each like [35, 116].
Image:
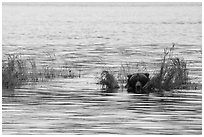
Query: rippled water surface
[91, 38]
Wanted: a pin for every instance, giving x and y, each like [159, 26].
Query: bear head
[136, 82]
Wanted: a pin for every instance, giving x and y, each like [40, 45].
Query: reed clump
[173, 73]
[108, 81]
[14, 72]
[17, 71]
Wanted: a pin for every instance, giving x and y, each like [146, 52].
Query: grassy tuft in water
[17, 71]
[108, 81]
[173, 74]
[14, 72]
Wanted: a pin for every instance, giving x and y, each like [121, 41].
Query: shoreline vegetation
[173, 73]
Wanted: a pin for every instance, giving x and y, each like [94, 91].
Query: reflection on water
[52, 109]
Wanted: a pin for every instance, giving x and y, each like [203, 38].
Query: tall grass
[14, 72]
[17, 71]
[173, 73]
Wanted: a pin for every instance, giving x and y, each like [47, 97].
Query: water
[91, 38]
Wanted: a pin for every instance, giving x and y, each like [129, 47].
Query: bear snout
[138, 86]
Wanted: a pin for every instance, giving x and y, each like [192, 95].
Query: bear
[136, 82]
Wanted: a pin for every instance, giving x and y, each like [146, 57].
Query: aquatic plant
[17, 71]
[173, 73]
[108, 81]
[14, 71]
[33, 73]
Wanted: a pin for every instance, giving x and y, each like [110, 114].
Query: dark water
[92, 38]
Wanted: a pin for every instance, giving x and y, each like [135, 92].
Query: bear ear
[129, 76]
[147, 74]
